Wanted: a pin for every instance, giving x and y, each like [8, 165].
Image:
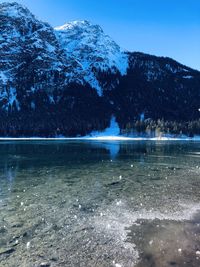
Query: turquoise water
[99, 204]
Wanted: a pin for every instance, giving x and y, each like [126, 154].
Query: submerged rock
[6, 251]
[45, 264]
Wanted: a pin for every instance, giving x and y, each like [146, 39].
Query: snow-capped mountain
[29, 50]
[78, 47]
[73, 79]
[93, 49]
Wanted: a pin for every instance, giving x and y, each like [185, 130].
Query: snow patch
[112, 130]
[9, 97]
[33, 105]
[3, 77]
[93, 82]
[12, 95]
[50, 47]
[188, 77]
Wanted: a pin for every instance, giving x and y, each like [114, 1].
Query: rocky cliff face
[72, 79]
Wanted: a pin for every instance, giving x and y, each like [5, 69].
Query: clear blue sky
[161, 27]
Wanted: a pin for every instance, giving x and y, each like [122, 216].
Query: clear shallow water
[99, 204]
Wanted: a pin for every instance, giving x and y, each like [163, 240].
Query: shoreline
[99, 138]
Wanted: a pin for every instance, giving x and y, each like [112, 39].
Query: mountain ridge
[72, 79]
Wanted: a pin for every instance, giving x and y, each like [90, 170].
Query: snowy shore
[112, 133]
[99, 138]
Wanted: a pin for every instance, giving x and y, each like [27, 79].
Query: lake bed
[99, 203]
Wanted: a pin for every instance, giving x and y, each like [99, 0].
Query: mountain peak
[11, 4]
[93, 49]
[15, 10]
[78, 25]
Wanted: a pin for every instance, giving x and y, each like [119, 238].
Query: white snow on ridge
[15, 10]
[86, 49]
[71, 25]
[91, 48]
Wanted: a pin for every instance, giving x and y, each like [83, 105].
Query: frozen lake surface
[99, 203]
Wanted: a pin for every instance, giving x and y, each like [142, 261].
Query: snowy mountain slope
[89, 44]
[28, 50]
[93, 49]
[31, 54]
[74, 50]
[21, 32]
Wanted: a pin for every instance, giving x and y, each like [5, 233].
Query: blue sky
[160, 27]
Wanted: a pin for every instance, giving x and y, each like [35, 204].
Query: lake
[99, 204]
